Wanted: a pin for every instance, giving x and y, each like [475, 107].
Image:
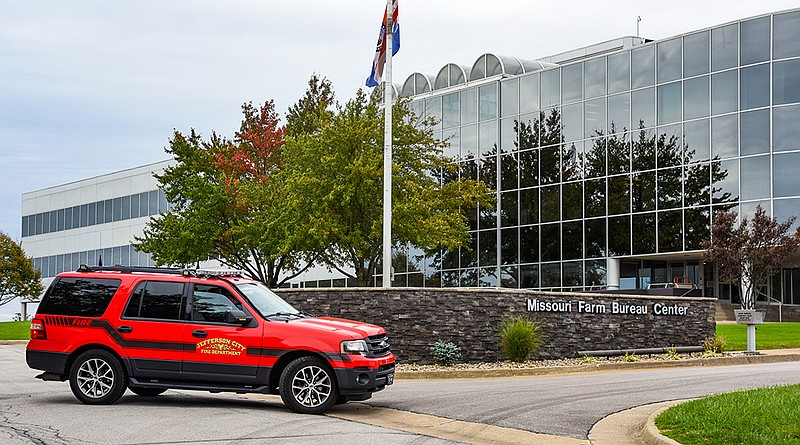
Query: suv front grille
[378, 345]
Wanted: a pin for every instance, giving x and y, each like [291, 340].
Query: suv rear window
[156, 299]
[83, 297]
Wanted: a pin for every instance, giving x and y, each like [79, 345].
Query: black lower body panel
[53, 362]
[198, 386]
[363, 381]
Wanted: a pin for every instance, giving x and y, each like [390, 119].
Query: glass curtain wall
[624, 155]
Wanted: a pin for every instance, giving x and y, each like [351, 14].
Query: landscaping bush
[714, 345]
[445, 353]
[520, 337]
[630, 357]
[672, 354]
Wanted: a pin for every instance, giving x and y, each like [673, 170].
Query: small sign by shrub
[520, 337]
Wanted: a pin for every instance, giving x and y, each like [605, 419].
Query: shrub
[520, 337]
[714, 345]
[672, 354]
[630, 357]
[445, 353]
[589, 360]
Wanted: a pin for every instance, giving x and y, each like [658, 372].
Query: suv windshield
[265, 300]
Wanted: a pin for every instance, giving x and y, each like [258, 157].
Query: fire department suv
[106, 329]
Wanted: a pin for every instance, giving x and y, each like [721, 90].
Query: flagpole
[387, 151]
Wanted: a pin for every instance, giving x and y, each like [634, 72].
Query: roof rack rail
[131, 269]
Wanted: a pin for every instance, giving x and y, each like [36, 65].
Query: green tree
[18, 277]
[313, 110]
[226, 202]
[335, 177]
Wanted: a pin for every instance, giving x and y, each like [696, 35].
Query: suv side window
[82, 297]
[210, 303]
[156, 299]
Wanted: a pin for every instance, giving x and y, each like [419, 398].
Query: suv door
[220, 351]
[151, 329]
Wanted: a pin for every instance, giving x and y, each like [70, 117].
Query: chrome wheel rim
[311, 386]
[95, 378]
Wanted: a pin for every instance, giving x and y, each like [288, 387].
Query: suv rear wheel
[308, 386]
[96, 378]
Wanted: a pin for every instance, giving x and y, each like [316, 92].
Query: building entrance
[644, 274]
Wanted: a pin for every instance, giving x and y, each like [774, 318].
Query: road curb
[651, 435]
[13, 342]
[600, 367]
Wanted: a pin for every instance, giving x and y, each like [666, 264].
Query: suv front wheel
[308, 386]
[96, 378]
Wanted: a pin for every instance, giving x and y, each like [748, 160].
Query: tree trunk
[364, 277]
[748, 297]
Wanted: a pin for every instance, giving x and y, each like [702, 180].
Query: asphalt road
[569, 405]
[32, 411]
[36, 412]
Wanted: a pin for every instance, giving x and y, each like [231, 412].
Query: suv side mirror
[237, 317]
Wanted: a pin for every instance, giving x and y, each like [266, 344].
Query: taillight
[37, 330]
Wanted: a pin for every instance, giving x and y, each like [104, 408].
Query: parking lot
[36, 412]
[32, 411]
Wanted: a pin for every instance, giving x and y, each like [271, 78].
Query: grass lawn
[768, 336]
[767, 416]
[15, 330]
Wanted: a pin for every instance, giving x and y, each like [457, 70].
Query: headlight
[353, 347]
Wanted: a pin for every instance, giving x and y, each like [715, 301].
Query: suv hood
[348, 328]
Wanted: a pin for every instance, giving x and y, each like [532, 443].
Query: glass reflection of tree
[630, 165]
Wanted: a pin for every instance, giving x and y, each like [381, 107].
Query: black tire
[308, 386]
[96, 377]
[146, 392]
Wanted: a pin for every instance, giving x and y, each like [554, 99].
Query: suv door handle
[199, 333]
[124, 329]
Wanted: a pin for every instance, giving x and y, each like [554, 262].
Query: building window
[786, 37]
[754, 86]
[755, 40]
[724, 47]
[695, 54]
[786, 82]
[669, 60]
[785, 130]
[786, 180]
[643, 64]
[619, 72]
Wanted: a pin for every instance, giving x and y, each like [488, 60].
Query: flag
[375, 76]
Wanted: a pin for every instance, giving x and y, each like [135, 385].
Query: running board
[200, 387]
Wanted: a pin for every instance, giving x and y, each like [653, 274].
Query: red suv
[106, 329]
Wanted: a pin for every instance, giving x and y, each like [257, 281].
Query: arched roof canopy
[417, 83]
[450, 75]
[534, 65]
[489, 65]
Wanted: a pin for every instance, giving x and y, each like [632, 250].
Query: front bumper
[363, 380]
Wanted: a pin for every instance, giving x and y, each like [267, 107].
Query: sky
[92, 87]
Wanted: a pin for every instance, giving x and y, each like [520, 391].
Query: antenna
[638, 19]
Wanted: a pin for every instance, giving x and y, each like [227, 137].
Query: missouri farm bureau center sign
[416, 318]
[600, 308]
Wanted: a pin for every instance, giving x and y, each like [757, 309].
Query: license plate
[390, 379]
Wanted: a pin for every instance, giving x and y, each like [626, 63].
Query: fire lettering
[220, 346]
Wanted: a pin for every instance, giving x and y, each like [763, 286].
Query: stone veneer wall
[416, 318]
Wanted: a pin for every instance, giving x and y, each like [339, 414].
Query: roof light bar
[163, 270]
[219, 273]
